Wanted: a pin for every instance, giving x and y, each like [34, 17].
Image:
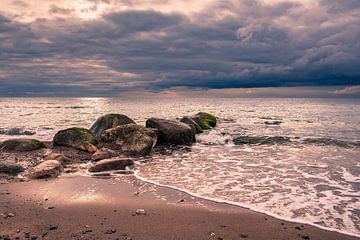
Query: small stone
[297, 228]
[243, 235]
[10, 215]
[53, 226]
[34, 237]
[140, 212]
[212, 234]
[51, 207]
[305, 237]
[87, 226]
[110, 231]
[86, 231]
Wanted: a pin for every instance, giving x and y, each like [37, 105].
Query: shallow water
[295, 158]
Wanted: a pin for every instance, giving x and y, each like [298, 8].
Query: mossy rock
[194, 125]
[205, 120]
[76, 138]
[109, 121]
[22, 145]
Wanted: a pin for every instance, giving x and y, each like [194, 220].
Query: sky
[124, 47]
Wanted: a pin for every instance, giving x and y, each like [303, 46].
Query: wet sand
[81, 207]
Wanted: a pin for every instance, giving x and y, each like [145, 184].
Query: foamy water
[296, 159]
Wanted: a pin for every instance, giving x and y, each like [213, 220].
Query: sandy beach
[82, 207]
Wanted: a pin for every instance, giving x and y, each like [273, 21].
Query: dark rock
[21, 145]
[111, 164]
[103, 153]
[109, 121]
[195, 127]
[205, 120]
[110, 231]
[243, 235]
[46, 169]
[79, 138]
[171, 132]
[305, 237]
[10, 167]
[133, 139]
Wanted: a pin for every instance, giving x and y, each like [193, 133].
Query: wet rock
[10, 167]
[111, 164]
[103, 153]
[195, 127]
[21, 145]
[134, 139]
[251, 140]
[109, 121]
[57, 156]
[110, 231]
[205, 120]
[79, 138]
[46, 169]
[171, 132]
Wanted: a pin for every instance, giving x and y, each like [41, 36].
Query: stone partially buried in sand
[205, 120]
[10, 167]
[172, 132]
[134, 139]
[46, 169]
[111, 164]
[103, 153]
[79, 138]
[22, 145]
[109, 121]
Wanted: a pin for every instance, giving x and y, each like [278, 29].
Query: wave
[269, 140]
[16, 131]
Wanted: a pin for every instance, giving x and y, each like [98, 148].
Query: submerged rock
[195, 127]
[22, 145]
[109, 121]
[46, 169]
[205, 120]
[79, 138]
[10, 167]
[134, 139]
[103, 153]
[111, 164]
[250, 140]
[171, 132]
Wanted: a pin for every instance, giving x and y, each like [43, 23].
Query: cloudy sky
[113, 47]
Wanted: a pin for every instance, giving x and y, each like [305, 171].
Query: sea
[293, 158]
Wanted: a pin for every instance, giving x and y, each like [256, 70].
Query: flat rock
[103, 153]
[46, 169]
[172, 132]
[111, 164]
[79, 138]
[10, 167]
[57, 156]
[134, 139]
[22, 145]
[109, 121]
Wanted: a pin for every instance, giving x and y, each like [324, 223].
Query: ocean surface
[296, 159]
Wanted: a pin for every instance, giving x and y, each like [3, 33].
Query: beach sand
[83, 207]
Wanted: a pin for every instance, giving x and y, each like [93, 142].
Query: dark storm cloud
[229, 44]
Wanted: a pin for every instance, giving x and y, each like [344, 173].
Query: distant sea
[296, 159]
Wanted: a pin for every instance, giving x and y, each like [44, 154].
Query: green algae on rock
[79, 138]
[22, 145]
[109, 121]
[205, 120]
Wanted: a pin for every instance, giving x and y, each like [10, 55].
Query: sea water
[297, 159]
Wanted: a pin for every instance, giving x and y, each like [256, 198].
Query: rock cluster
[112, 140]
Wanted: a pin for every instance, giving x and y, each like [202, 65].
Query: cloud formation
[105, 47]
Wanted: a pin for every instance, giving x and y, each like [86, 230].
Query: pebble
[243, 235]
[10, 215]
[110, 231]
[305, 237]
[53, 226]
[140, 212]
[51, 207]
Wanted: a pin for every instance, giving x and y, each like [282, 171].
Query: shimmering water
[294, 158]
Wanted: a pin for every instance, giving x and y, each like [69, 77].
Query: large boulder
[195, 127]
[46, 169]
[134, 139]
[111, 164]
[10, 167]
[22, 145]
[109, 121]
[171, 132]
[205, 120]
[79, 138]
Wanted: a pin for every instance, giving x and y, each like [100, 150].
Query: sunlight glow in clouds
[109, 46]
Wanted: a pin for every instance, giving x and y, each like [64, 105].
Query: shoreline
[240, 205]
[78, 204]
